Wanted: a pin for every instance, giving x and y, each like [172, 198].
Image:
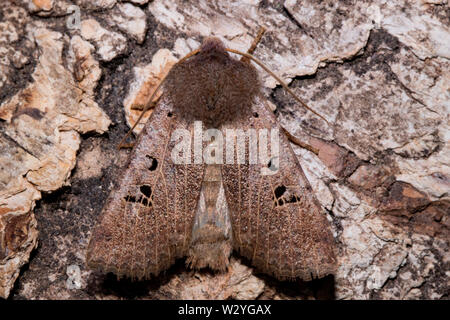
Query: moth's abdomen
[211, 235]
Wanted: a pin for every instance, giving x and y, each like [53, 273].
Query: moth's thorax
[212, 86]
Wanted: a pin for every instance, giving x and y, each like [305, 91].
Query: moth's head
[212, 50]
[212, 44]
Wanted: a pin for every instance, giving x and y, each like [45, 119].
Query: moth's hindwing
[147, 220]
[277, 222]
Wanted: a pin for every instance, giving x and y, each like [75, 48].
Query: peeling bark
[378, 71]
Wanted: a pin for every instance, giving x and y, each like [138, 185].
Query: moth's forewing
[277, 222]
[147, 220]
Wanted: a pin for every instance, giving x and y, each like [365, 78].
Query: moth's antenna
[254, 44]
[258, 62]
[300, 143]
[149, 103]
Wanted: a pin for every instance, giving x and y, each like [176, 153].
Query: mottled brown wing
[147, 220]
[276, 220]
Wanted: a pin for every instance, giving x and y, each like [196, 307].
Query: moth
[161, 210]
